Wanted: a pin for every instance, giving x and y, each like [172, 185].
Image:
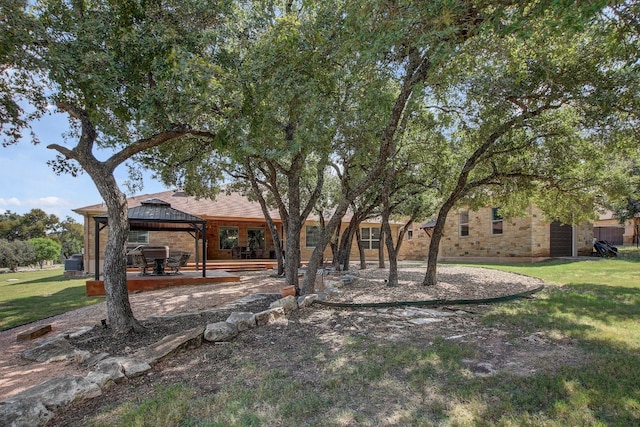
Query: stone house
[235, 228]
[483, 235]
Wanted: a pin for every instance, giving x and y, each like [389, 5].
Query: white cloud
[49, 201]
[12, 201]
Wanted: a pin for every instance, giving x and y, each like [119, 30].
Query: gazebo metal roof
[157, 215]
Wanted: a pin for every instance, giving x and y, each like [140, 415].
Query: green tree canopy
[35, 223]
[16, 253]
[44, 250]
[130, 76]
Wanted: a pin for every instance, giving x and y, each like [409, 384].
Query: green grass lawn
[33, 295]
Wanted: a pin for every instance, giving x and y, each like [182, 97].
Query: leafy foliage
[44, 250]
[35, 223]
[16, 253]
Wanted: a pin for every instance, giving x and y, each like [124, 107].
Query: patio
[217, 272]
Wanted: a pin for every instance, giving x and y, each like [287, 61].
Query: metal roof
[157, 215]
[429, 224]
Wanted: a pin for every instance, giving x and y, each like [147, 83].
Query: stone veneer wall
[370, 254]
[515, 240]
[524, 237]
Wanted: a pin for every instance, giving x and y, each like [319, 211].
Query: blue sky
[26, 182]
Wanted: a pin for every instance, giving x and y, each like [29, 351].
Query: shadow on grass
[560, 308]
[20, 311]
[46, 279]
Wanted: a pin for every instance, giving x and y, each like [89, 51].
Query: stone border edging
[37, 405]
[430, 303]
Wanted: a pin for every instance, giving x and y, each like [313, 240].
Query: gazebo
[157, 215]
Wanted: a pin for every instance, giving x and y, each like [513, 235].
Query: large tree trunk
[292, 251]
[361, 254]
[316, 257]
[277, 242]
[432, 258]
[119, 313]
[417, 70]
[381, 263]
[346, 241]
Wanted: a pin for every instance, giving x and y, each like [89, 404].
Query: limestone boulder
[220, 331]
[270, 316]
[170, 345]
[289, 303]
[53, 350]
[243, 320]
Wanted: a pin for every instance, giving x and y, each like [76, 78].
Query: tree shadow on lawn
[20, 311]
[557, 307]
[49, 279]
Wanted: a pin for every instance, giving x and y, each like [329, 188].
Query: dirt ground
[274, 344]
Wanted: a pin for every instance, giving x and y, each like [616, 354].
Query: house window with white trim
[496, 221]
[312, 236]
[138, 236]
[228, 237]
[370, 237]
[464, 223]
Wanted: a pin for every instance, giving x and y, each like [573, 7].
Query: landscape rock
[101, 379]
[59, 391]
[53, 350]
[289, 303]
[24, 413]
[96, 358]
[111, 368]
[116, 368]
[171, 344]
[348, 279]
[272, 315]
[243, 320]
[307, 300]
[220, 331]
[81, 356]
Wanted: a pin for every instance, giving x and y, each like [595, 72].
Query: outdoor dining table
[157, 254]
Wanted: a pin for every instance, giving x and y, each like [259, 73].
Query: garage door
[613, 235]
[561, 241]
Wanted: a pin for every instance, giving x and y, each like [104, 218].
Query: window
[464, 223]
[255, 238]
[370, 237]
[138, 236]
[409, 234]
[228, 237]
[496, 221]
[312, 236]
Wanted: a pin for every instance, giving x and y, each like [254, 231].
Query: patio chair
[139, 261]
[177, 260]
